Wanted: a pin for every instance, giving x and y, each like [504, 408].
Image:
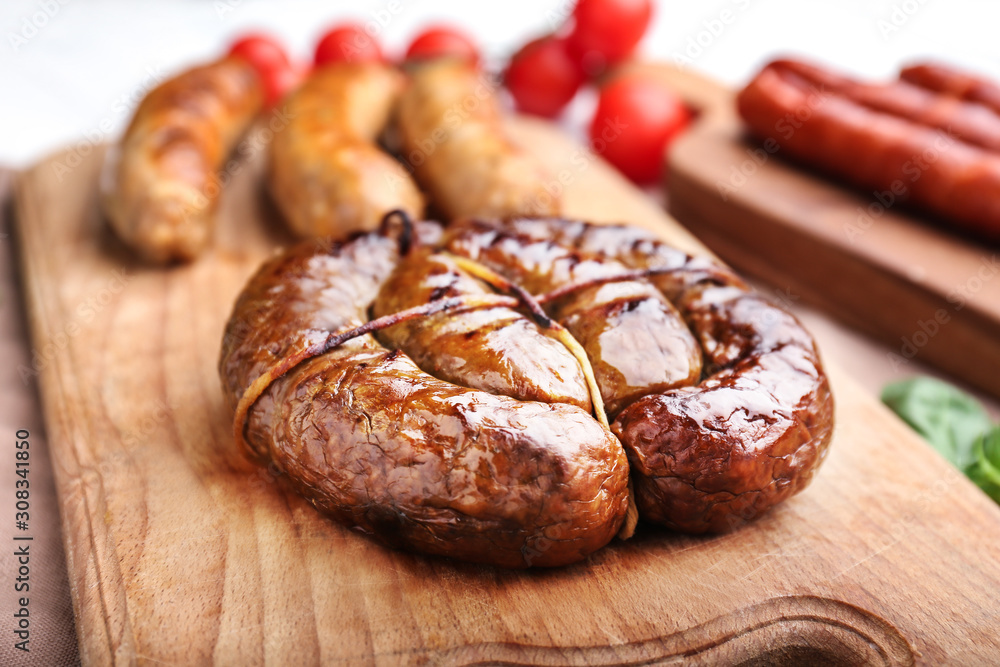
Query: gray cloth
[52, 635]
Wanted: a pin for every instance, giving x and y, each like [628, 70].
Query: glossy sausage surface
[971, 122]
[951, 81]
[636, 341]
[499, 350]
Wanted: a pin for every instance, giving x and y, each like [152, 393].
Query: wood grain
[928, 293]
[179, 555]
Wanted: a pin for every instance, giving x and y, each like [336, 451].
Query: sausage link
[452, 134]
[876, 150]
[377, 443]
[970, 122]
[422, 463]
[160, 185]
[326, 173]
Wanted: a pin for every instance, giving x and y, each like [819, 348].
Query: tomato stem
[406, 235]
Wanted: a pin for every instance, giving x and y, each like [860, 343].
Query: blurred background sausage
[161, 183]
[452, 136]
[326, 172]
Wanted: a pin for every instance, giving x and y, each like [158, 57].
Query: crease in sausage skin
[498, 350]
[377, 442]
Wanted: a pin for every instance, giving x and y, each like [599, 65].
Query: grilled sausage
[161, 184]
[970, 122]
[451, 132]
[950, 81]
[377, 443]
[419, 462]
[712, 456]
[876, 150]
[326, 173]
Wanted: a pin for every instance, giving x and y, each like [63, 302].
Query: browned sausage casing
[498, 350]
[374, 441]
[876, 150]
[161, 185]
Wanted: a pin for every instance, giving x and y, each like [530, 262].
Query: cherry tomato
[442, 41]
[542, 77]
[262, 51]
[347, 43]
[635, 121]
[607, 31]
[268, 57]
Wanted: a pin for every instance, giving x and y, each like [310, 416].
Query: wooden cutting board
[178, 555]
[925, 291]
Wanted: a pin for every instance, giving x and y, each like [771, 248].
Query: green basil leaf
[985, 468]
[947, 417]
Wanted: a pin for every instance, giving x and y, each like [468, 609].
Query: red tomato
[635, 121]
[607, 30]
[442, 41]
[347, 43]
[262, 51]
[268, 57]
[542, 77]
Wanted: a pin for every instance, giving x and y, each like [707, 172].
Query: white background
[84, 63]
